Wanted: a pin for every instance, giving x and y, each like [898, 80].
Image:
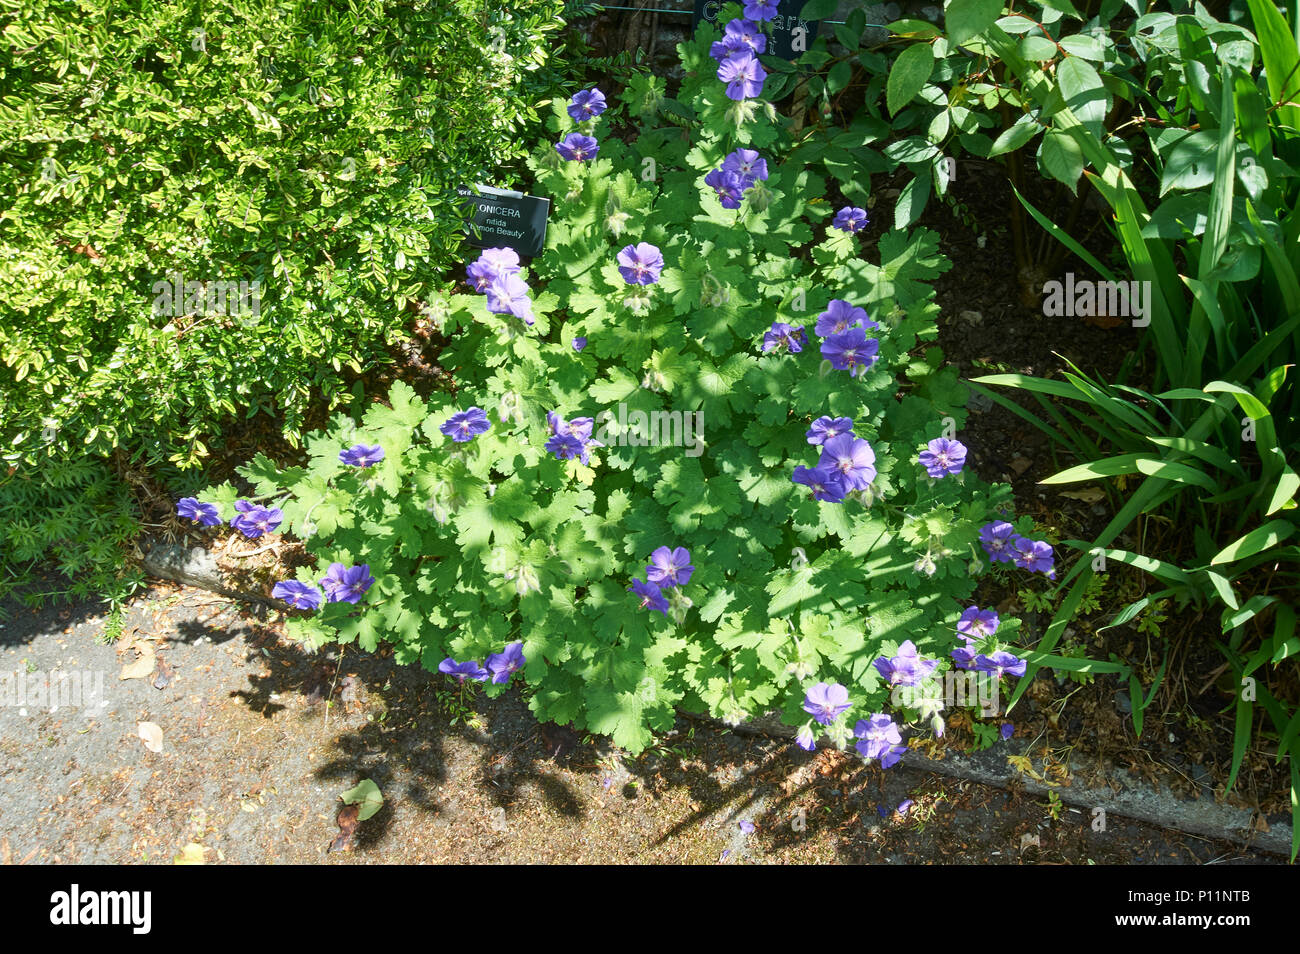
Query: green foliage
[78, 519]
[307, 145]
[478, 544]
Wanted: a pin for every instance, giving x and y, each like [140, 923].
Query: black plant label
[507, 220]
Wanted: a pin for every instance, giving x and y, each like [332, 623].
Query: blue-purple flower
[840, 316]
[746, 163]
[462, 671]
[852, 457]
[825, 427]
[746, 826]
[744, 76]
[891, 756]
[346, 584]
[851, 351]
[850, 219]
[942, 457]
[301, 596]
[586, 104]
[640, 264]
[362, 455]
[1033, 555]
[762, 10]
[466, 425]
[877, 734]
[205, 514]
[963, 657]
[995, 538]
[504, 664]
[508, 295]
[782, 335]
[999, 663]
[976, 623]
[906, 668]
[253, 521]
[490, 265]
[826, 483]
[651, 598]
[579, 343]
[730, 187]
[1007, 730]
[575, 147]
[571, 439]
[805, 740]
[669, 567]
[826, 702]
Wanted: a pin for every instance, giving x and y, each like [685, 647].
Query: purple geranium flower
[567, 447]
[301, 596]
[852, 457]
[824, 428]
[651, 598]
[851, 351]
[760, 9]
[746, 826]
[462, 671]
[205, 514]
[507, 662]
[586, 104]
[746, 163]
[575, 147]
[877, 735]
[826, 702]
[1033, 555]
[669, 567]
[840, 316]
[850, 219]
[253, 521]
[782, 335]
[744, 76]
[346, 584]
[906, 668]
[508, 295]
[942, 457]
[730, 187]
[579, 343]
[995, 537]
[805, 740]
[1006, 730]
[493, 263]
[999, 663]
[466, 425]
[730, 46]
[297, 594]
[640, 264]
[976, 623]
[826, 483]
[891, 756]
[362, 455]
[963, 657]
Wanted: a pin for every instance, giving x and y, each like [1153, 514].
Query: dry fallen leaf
[349, 819]
[1086, 494]
[191, 854]
[1020, 464]
[165, 674]
[142, 668]
[152, 735]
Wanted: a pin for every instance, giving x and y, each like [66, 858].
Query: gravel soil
[260, 738]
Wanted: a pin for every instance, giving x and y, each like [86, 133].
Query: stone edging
[1127, 796]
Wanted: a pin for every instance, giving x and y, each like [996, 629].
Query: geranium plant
[811, 549]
